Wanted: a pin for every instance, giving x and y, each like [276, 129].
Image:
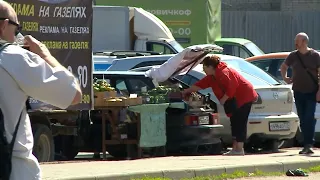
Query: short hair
[212, 60]
[304, 36]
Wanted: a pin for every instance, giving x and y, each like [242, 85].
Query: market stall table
[151, 127]
[115, 139]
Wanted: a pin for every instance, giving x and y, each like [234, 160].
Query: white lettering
[44, 11]
[164, 12]
[49, 29]
[79, 30]
[181, 31]
[64, 29]
[70, 12]
[187, 12]
[176, 12]
[82, 75]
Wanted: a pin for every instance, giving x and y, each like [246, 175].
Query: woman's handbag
[230, 106]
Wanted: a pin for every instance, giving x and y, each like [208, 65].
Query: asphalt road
[314, 176]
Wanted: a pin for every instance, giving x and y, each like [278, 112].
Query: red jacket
[232, 82]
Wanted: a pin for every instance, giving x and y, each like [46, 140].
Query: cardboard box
[135, 101]
[123, 103]
[99, 97]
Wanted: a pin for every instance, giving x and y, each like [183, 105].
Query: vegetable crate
[120, 101]
[100, 97]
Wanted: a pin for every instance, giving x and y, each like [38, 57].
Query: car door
[236, 50]
[161, 48]
[265, 65]
[278, 71]
[126, 85]
[136, 85]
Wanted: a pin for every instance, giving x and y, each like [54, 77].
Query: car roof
[277, 55]
[224, 57]
[221, 56]
[128, 73]
[199, 67]
[241, 41]
[152, 56]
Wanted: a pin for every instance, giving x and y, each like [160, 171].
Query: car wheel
[117, 151]
[43, 148]
[251, 147]
[70, 149]
[120, 151]
[271, 145]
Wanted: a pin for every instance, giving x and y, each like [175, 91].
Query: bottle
[20, 41]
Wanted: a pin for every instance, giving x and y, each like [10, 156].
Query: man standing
[305, 64]
[24, 73]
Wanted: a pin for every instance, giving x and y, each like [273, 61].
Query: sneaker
[306, 150]
[234, 153]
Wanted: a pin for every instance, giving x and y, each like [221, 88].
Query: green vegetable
[101, 86]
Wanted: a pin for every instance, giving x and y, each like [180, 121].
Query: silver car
[271, 120]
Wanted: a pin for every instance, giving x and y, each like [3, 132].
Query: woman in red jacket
[234, 92]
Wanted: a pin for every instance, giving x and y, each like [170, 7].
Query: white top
[31, 76]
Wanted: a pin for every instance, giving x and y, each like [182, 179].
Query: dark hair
[212, 61]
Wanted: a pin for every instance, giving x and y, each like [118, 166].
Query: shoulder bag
[314, 80]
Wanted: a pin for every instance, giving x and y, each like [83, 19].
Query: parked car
[271, 63]
[272, 109]
[137, 62]
[103, 60]
[182, 136]
[239, 47]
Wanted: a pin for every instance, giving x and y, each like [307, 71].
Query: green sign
[190, 21]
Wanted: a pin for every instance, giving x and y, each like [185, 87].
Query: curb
[197, 172]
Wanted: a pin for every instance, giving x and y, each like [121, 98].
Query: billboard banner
[64, 26]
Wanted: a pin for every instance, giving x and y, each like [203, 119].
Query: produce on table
[102, 86]
[159, 94]
[120, 99]
[195, 97]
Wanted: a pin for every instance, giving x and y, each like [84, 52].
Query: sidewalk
[177, 167]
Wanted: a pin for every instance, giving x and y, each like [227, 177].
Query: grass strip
[235, 175]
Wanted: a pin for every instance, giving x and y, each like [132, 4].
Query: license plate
[203, 120]
[279, 126]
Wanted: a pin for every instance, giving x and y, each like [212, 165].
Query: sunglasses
[19, 27]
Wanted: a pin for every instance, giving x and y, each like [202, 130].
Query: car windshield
[254, 49]
[255, 81]
[242, 65]
[176, 46]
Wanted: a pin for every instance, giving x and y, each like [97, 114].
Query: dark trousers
[306, 107]
[239, 121]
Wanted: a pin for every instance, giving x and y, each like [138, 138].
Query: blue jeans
[306, 107]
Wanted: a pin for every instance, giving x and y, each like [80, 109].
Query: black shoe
[306, 150]
[297, 172]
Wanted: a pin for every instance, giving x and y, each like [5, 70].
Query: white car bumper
[273, 127]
